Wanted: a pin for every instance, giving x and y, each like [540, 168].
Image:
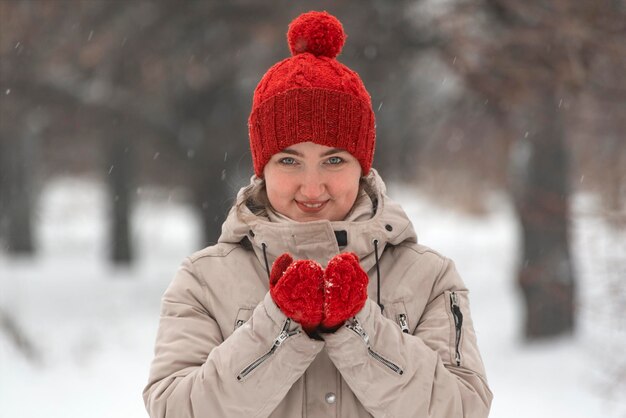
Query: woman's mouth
[311, 207]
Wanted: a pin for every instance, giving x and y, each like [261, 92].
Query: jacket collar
[316, 240]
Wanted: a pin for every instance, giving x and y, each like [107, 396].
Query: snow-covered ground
[91, 326]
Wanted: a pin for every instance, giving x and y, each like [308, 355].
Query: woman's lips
[311, 207]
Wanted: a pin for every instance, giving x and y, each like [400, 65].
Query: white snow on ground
[93, 326]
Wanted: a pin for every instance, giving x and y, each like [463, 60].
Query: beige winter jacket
[224, 349]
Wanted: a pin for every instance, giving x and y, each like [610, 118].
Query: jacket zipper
[404, 324]
[458, 323]
[278, 341]
[356, 327]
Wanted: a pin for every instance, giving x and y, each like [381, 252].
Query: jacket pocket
[403, 321]
[278, 341]
[396, 311]
[242, 317]
[454, 305]
[355, 326]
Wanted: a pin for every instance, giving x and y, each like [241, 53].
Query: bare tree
[143, 71]
[181, 75]
[526, 59]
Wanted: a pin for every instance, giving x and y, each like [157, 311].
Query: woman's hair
[254, 198]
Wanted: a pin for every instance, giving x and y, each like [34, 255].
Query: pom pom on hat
[318, 33]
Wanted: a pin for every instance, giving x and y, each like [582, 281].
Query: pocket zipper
[458, 323]
[284, 334]
[404, 324]
[356, 327]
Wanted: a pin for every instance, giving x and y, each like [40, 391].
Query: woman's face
[310, 182]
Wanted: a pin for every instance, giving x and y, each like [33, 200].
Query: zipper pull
[404, 324]
[454, 299]
[457, 358]
[458, 323]
[358, 329]
[285, 333]
[456, 310]
[280, 339]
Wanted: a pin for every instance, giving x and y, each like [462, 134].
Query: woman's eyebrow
[291, 152]
[324, 154]
[332, 151]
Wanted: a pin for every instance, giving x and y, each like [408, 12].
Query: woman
[360, 320]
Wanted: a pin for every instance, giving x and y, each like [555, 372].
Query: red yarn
[312, 97]
[312, 297]
[279, 267]
[345, 289]
[319, 33]
[298, 291]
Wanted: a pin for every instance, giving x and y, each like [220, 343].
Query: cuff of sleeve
[273, 311]
[278, 317]
[366, 316]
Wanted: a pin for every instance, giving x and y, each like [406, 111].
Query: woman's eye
[335, 160]
[287, 161]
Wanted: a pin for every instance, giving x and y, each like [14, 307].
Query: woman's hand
[345, 290]
[298, 290]
[313, 297]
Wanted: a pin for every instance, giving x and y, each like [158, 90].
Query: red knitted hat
[312, 97]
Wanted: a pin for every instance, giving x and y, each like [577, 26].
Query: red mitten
[297, 289]
[345, 286]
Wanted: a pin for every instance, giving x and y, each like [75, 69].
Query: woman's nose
[312, 185]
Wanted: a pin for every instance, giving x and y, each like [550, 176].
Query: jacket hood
[317, 240]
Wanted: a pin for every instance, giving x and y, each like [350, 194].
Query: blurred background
[123, 141]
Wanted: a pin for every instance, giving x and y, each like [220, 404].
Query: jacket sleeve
[397, 374]
[195, 371]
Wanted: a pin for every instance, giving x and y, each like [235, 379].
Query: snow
[92, 326]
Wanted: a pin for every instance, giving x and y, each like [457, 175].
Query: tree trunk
[215, 135]
[211, 198]
[16, 161]
[4, 189]
[121, 182]
[546, 276]
[212, 194]
[9, 326]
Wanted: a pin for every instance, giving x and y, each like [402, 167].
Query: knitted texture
[317, 33]
[296, 287]
[345, 290]
[312, 97]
